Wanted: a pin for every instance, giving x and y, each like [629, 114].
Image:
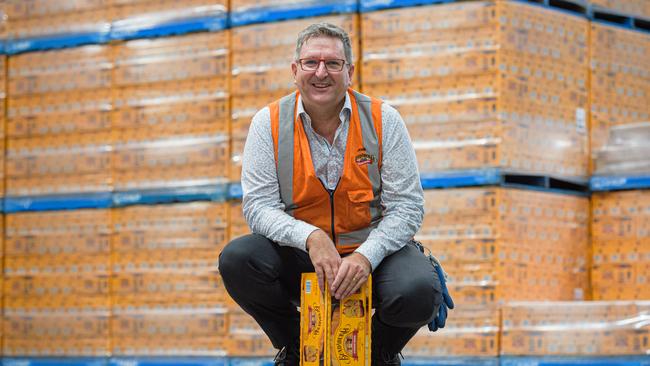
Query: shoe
[381, 357]
[287, 357]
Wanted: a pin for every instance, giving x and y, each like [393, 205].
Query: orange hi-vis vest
[349, 212]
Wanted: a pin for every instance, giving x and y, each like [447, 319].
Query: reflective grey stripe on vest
[355, 237]
[371, 143]
[287, 107]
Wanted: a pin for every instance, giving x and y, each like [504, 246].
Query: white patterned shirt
[401, 191]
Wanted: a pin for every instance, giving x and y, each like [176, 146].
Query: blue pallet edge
[460, 178]
[235, 191]
[212, 192]
[57, 202]
[613, 183]
[576, 361]
[374, 5]
[251, 361]
[273, 14]
[211, 23]
[450, 361]
[54, 361]
[169, 361]
[14, 46]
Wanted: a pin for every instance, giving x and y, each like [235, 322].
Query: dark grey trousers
[264, 279]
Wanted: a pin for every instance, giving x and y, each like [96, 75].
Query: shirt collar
[343, 115]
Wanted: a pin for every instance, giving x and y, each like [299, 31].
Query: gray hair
[325, 30]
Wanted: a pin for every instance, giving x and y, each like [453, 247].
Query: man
[330, 186]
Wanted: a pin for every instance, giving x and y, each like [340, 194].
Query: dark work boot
[381, 357]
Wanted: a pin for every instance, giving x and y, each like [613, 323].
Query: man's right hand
[324, 257]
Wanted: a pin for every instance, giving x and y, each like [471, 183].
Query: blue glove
[447, 302]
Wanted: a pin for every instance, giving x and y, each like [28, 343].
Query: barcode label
[308, 287]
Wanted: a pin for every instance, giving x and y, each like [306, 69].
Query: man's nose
[321, 70]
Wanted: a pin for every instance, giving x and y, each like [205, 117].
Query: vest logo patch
[364, 158]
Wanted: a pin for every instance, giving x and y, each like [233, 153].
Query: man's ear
[350, 73]
[294, 69]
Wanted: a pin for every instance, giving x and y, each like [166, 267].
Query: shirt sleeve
[401, 194]
[261, 203]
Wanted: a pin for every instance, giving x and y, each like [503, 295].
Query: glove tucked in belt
[447, 302]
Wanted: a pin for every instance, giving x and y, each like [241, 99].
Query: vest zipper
[331, 193]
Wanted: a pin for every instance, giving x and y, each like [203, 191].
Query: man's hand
[352, 273]
[324, 257]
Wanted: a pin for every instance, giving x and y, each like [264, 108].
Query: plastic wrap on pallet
[78, 69]
[138, 19]
[483, 84]
[473, 231]
[187, 236]
[169, 332]
[626, 152]
[56, 333]
[40, 243]
[63, 29]
[21, 9]
[168, 297]
[575, 328]
[181, 58]
[620, 80]
[245, 12]
[171, 161]
[69, 164]
[468, 332]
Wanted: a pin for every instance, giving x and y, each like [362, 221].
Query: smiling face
[322, 89]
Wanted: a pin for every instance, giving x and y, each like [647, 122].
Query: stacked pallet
[171, 112]
[59, 122]
[167, 294]
[620, 244]
[56, 283]
[484, 84]
[620, 80]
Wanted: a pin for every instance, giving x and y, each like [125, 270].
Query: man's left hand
[352, 273]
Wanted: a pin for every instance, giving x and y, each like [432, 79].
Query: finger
[329, 274]
[348, 283]
[356, 284]
[341, 274]
[319, 275]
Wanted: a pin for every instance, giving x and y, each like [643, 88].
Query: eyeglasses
[331, 64]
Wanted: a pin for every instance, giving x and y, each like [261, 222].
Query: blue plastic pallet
[235, 191]
[168, 361]
[451, 361]
[251, 361]
[373, 5]
[614, 183]
[214, 192]
[212, 23]
[576, 361]
[57, 202]
[573, 7]
[483, 177]
[274, 14]
[14, 46]
[55, 361]
[503, 178]
[613, 18]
